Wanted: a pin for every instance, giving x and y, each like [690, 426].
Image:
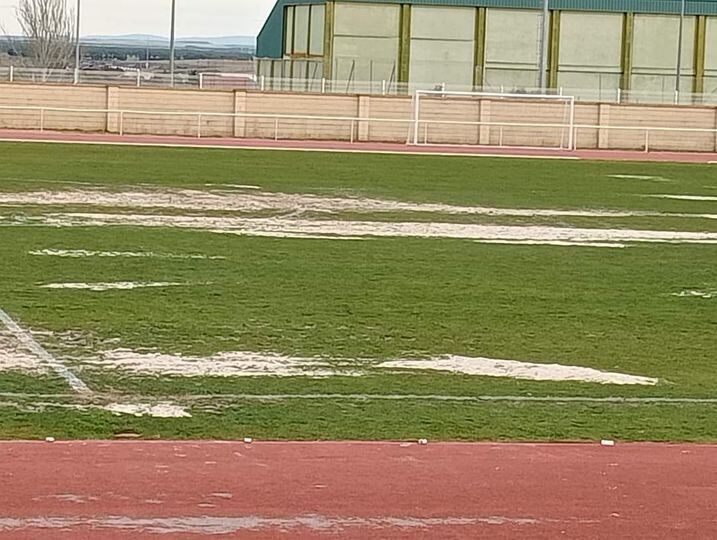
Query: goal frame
[568, 100]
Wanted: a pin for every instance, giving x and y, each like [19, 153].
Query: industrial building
[591, 46]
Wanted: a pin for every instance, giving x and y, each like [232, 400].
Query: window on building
[304, 31]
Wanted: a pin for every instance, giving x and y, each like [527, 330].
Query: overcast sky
[194, 17]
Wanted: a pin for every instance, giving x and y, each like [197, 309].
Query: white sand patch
[696, 294]
[119, 285]
[519, 370]
[235, 186]
[14, 355]
[640, 177]
[159, 410]
[685, 197]
[262, 226]
[81, 253]
[252, 364]
[279, 234]
[225, 364]
[284, 202]
[553, 243]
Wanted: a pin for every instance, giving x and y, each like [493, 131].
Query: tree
[47, 27]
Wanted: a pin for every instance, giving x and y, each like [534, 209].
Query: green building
[594, 46]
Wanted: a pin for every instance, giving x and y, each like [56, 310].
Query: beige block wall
[352, 117]
[187, 101]
[45, 95]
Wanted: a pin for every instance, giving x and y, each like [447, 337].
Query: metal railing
[248, 81]
[346, 128]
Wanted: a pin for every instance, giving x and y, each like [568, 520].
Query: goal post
[493, 119]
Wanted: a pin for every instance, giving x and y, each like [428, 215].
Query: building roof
[270, 39]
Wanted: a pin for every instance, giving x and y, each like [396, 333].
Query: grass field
[261, 293]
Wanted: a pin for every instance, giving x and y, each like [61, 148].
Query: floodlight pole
[679, 48]
[543, 52]
[77, 44]
[171, 45]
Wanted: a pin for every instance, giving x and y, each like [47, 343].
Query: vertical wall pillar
[603, 142]
[112, 104]
[364, 111]
[554, 51]
[329, 10]
[700, 51]
[479, 60]
[628, 38]
[404, 44]
[239, 108]
[484, 116]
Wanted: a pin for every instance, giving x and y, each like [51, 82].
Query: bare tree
[48, 27]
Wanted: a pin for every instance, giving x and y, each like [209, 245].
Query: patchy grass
[377, 299]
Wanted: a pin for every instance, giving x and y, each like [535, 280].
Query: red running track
[339, 146]
[356, 490]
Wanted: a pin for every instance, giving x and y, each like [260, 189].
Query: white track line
[61, 369]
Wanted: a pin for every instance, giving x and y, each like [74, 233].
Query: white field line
[61, 369]
[375, 397]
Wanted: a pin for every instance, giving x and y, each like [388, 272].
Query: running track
[356, 490]
[338, 146]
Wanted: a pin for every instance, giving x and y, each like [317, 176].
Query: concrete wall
[352, 117]
[442, 45]
[366, 41]
[511, 48]
[591, 67]
[655, 53]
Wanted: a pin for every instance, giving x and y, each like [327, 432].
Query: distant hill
[144, 40]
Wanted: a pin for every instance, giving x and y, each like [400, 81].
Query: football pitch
[207, 293]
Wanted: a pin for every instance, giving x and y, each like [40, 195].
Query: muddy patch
[252, 364]
[82, 253]
[693, 293]
[224, 364]
[339, 228]
[279, 202]
[112, 286]
[15, 356]
[490, 367]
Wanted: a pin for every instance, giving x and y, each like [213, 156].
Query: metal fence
[344, 128]
[232, 81]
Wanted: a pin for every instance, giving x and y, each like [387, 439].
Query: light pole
[543, 52]
[77, 45]
[171, 46]
[679, 49]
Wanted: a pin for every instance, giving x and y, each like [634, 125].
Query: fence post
[199, 126]
[647, 140]
[201, 81]
[77, 76]
[383, 87]
[121, 123]
[42, 119]
[139, 78]
[262, 86]
[12, 73]
[353, 125]
[323, 85]
[500, 135]
[276, 129]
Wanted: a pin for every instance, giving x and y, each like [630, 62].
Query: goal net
[493, 119]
